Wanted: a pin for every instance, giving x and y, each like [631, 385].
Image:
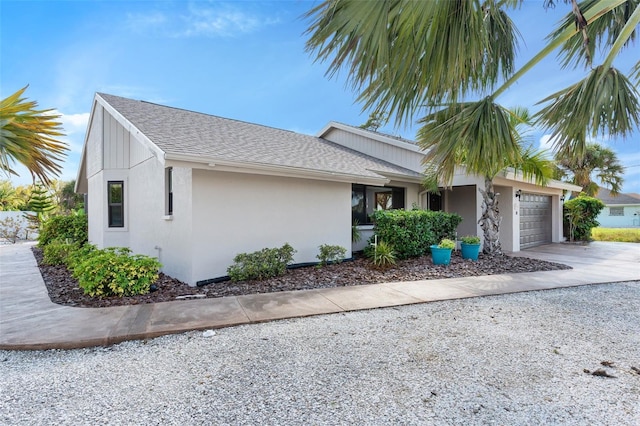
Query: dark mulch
[63, 288]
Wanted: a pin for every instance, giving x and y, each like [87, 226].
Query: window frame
[398, 200]
[168, 194]
[619, 211]
[111, 223]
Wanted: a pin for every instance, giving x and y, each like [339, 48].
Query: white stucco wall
[631, 218]
[463, 200]
[239, 213]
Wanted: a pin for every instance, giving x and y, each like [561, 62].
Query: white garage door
[535, 220]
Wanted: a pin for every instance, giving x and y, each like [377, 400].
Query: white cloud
[201, 20]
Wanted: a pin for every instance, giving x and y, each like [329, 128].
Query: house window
[168, 185]
[365, 199]
[115, 202]
[616, 211]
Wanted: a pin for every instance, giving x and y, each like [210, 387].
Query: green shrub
[115, 272]
[57, 252]
[412, 232]
[260, 265]
[79, 255]
[580, 217]
[446, 243]
[470, 239]
[333, 254]
[73, 227]
[382, 255]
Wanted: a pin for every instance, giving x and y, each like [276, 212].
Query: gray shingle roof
[182, 132]
[605, 196]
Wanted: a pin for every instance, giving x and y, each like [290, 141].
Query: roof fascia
[272, 170]
[510, 174]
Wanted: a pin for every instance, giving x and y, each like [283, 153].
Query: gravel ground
[515, 359]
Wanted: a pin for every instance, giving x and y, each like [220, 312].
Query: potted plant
[441, 253]
[470, 247]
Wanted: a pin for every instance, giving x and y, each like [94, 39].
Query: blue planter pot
[440, 256]
[470, 251]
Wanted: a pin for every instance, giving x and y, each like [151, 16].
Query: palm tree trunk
[490, 220]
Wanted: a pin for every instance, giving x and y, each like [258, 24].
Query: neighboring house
[620, 211]
[195, 189]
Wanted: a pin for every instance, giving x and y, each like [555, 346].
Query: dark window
[365, 199]
[115, 197]
[169, 190]
[435, 202]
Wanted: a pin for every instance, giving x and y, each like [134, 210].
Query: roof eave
[275, 170]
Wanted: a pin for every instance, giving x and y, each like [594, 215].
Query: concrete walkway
[29, 320]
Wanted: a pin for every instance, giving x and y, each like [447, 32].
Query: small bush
[79, 255]
[382, 255]
[446, 243]
[260, 265]
[331, 254]
[57, 252]
[580, 216]
[73, 227]
[11, 229]
[412, 232]
[470, 239]
[115, 272]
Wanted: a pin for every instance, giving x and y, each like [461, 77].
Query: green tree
[9, 199]
[29, 136]
[431, 58]
[597, 160]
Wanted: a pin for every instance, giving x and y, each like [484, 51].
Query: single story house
[620, 211]
[195, 189]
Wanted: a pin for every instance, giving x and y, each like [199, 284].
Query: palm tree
[597, 159]
[28, 136]
[430, 58]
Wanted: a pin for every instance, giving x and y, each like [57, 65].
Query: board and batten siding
[116, 144]
[94, 150]
[408, 157]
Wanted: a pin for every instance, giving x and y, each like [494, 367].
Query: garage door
[535, 220]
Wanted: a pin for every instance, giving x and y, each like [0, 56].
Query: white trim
[369, 134]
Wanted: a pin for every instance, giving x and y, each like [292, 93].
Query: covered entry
[535, 220]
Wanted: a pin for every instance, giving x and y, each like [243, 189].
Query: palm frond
[605, 102]
[478, 135]
[29, 136]
[403, 55]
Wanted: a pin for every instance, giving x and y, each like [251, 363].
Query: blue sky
[243, 60]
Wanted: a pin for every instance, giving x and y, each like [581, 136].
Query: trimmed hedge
[412, 232]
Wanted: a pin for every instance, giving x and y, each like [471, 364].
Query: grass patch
[620, 235]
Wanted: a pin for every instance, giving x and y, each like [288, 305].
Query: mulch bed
[64, 290]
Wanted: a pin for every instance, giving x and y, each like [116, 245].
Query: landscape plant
[57, 252]
[72, 227]
[262, 264]
[411, 232]
[115, 271]
[382, 255]
[11, 229]
[331, 254]
[470, 239]
[447, 243]
[580, 216]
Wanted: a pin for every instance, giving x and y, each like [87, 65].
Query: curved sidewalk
[29, 320]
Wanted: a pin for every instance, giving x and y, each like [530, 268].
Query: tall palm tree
[597, 160]
[430, 58]
[29, 136]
